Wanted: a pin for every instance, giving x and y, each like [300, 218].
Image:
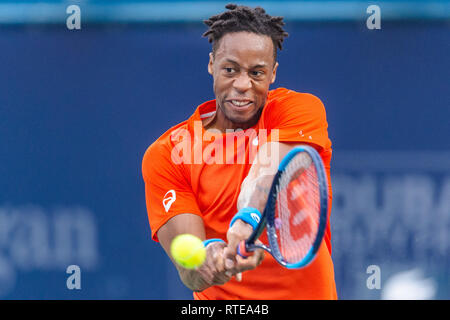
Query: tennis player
[201, 174]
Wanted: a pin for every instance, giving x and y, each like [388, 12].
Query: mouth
[239, 104]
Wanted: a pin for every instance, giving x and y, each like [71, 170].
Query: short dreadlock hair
[243, 18]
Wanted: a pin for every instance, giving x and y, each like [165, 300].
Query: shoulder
[284, 97]
[158, 153]
[283, 104]
[298, 117]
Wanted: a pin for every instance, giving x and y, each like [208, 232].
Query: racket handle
[242, 250]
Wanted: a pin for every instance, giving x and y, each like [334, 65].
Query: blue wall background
[79, 108]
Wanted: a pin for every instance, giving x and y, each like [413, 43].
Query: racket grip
[242, 251]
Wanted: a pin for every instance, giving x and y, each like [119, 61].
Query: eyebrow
[252, 67]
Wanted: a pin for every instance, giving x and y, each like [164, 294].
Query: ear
[274, 73]
[210, 63]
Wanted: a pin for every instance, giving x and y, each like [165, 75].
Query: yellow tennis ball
[188, 251]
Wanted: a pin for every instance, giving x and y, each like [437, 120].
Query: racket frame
[268, 215]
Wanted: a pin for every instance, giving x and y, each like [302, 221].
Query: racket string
[297, 209]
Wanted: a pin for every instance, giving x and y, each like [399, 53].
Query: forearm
[192, 279]
[254, 191]
[180, 224]
[255, 188]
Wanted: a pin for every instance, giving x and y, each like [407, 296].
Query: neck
[220, 122]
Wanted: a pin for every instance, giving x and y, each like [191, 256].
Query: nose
[242, 83]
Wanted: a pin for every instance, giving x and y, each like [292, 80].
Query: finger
[229, 255]
[260, 253]
[238, 232]
[215, 271]
[206, 273]
[221, 278]
[233, 240]
[219, 257]
[238, 276]
[259, 256]
[244, 264]
[214, 259]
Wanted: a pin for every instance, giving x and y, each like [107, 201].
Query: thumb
[239, 231]
[229, 254]
[235, 235]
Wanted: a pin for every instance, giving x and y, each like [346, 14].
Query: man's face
[243, 69]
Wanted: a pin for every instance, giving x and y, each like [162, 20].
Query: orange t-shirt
[184, 172]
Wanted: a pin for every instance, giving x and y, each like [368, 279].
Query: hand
[211, 273]
[233, 262]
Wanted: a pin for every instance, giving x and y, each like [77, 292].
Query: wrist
[250, 215]
[192, 279]
[208, 241]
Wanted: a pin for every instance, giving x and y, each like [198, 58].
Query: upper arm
[179, 224]
[167, 191]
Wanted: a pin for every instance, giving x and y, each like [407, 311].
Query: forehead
[245, 47]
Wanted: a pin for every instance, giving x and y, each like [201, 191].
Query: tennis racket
[296, 211]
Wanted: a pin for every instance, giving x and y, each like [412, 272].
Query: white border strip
[193, 11]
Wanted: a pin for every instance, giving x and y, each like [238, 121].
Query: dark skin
[243, 68]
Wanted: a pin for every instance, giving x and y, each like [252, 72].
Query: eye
[229, 70]
[257, 73]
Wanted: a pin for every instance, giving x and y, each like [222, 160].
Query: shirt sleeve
[301, 117]
[297, 117]
[167, 191]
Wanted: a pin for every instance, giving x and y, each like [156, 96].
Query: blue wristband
[208, 241]
[250, 215]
